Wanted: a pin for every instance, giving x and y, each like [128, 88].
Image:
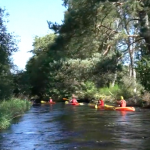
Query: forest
[101, 49]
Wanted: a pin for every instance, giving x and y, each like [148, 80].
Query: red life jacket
[50, 100]
[122, 103]
[101, 102]
[74, 100]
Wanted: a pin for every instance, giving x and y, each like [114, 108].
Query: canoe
[125, 108]
[45, 102]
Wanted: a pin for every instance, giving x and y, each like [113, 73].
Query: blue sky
[28, 18]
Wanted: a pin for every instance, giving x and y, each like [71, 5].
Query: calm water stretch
[67, 127]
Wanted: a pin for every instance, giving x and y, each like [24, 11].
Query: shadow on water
[66, 127]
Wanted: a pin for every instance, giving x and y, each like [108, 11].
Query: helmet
[121, 97]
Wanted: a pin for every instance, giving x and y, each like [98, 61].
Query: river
[67, 127]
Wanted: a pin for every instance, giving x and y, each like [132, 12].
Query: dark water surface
[67, 127]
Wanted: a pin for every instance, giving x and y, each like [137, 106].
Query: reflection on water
[65, 127]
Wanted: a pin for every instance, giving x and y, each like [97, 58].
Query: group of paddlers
[100, 102]
[120, 103]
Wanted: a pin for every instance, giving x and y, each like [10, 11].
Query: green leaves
[143, 70]
[7, 47]
[90, 47]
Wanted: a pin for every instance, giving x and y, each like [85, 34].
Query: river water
[67, 127]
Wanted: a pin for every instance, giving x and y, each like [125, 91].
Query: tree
[91, 45]
[7, 47]
[38, 67]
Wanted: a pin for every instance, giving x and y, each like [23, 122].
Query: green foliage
[21, 84]
[88, 91]
[11, 109]
[128, 85]
[41, 44]
[7, 47]
[92, 44]
[41, 68]
[6, 87]
[111, 91]
[143, 70]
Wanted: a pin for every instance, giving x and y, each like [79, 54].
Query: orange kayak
[125, 108]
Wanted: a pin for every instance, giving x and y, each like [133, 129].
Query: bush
[88, 91]
[127, 87]
[113, 91]
[11, 109]
[145, 99]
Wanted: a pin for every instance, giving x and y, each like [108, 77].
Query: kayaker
[122, 102]
[50, 100]
[101, 102]
[74, 100]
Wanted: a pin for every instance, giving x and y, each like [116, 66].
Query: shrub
[128, 86]
[11, 109]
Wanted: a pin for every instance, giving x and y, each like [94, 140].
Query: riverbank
[11, 109]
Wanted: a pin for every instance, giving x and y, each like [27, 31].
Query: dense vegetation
[7, 47]
[102, 48]
[11, 109]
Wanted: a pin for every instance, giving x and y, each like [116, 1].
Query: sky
[27, 19]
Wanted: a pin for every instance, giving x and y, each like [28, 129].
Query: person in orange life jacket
[122, 102]
[74, 100]
[50, 100]
[101, 102]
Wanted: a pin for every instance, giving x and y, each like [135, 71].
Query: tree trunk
[131, 54]
[114, 80]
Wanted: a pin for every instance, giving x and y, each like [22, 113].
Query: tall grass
[11, 109]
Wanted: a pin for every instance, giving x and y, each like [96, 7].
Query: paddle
[81, 103]
[43, 102]
[96, 106]
[66, 102]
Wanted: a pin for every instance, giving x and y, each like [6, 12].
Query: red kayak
[52, 102]
[75, 104]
